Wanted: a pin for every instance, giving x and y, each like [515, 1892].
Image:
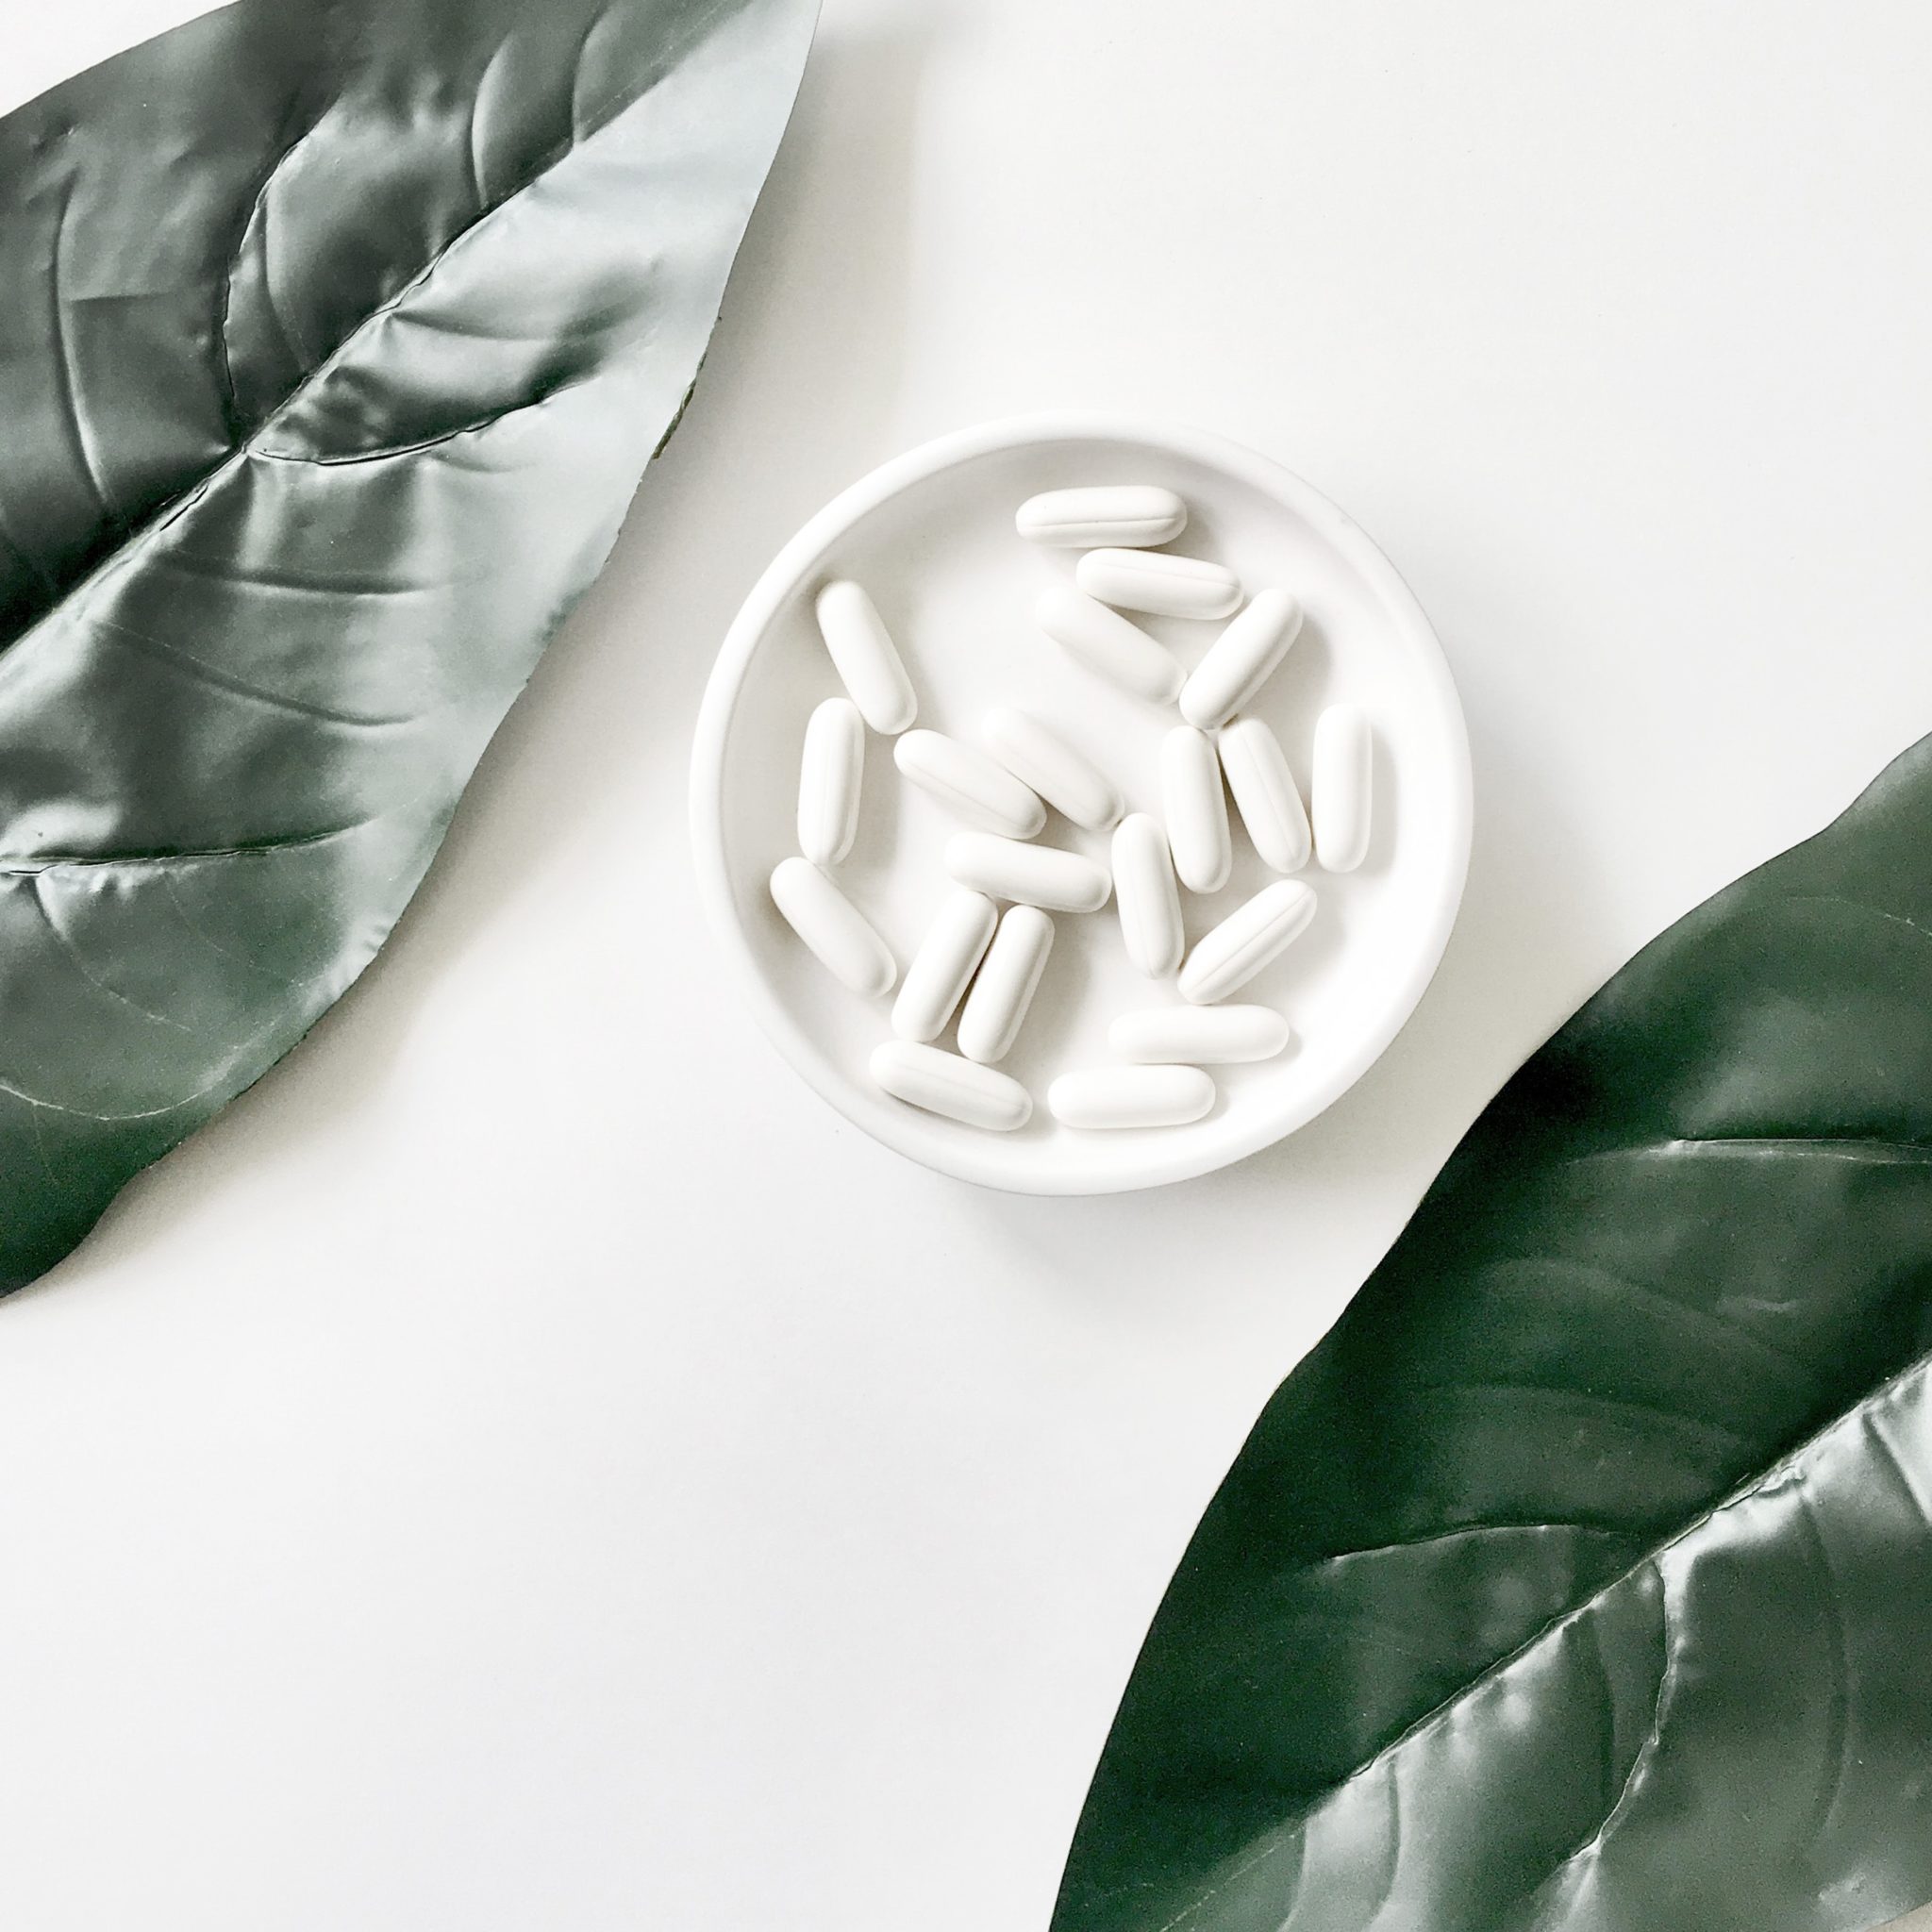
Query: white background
[531, 1465]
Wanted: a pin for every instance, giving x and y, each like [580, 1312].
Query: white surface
[931, 536]
[505, 1474]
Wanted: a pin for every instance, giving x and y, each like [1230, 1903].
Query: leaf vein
[79, 961]
[204, 673]
[1790, 1462]
[68, 388]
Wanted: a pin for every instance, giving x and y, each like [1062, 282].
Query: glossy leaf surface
[1581, 1578]
[336, 337]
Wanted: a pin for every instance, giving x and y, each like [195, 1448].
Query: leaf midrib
[1843, 1144]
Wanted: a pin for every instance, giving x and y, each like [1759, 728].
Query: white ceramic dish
[931, 535]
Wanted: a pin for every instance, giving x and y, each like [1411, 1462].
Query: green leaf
[1582, 1576]
[336, 337]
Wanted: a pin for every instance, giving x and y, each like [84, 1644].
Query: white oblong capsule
[838, 934]
[1124, 514]
[865, 657]
[1104, 1097]
[1264, 794]
[1161, 585]
[1027, 874]
[1226, 958]
[937, 978]
[943, 1082]
[1045, 762]
[1196, 810]
[969, 784]
[1340, 785]
[1009, 977]
[1199, 1036]
[1241, 661]
[830, 770]
[1103, 640]
[1146, 897]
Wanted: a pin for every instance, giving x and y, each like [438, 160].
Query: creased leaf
[337, 337]
[1582, 1577]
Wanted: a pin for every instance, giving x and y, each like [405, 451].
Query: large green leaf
[336, 339]
[1582, 1577]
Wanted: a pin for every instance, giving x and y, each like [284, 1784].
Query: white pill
[865, 657]
[942, 1082]
[1226, 958]
[1131, 1097]
[829, 773]
[1196, 810]
[1127, 514]
[969, 784]
[1241, 659]
[936, 980]
[1199, 1036]
[1007, 980]
[1151, 581]
[836, 931]
[1339, 789]
[1105, 641]
[1264, 794]
[1045, 761]
[1146, 897]
[1027, 874]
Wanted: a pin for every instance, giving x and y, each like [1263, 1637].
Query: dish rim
[1191, 1153]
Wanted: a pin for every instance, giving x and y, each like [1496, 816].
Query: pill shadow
[1312, 954]
[1385, 806]
[1058, 1004]
[881, 820]
[1295, 693]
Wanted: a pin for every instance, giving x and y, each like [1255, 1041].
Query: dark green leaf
[1582, 1577]
[336, 339]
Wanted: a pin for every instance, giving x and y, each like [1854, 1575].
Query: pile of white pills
[984, 963]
